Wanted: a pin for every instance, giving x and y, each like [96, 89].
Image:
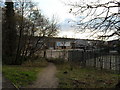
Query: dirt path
[7, 84]
[46, 79]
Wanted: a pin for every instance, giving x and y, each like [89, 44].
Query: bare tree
[98, 16]
[24, 27]
[45, 28]
[30, 23]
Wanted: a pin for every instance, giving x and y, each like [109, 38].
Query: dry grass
[37, 63]
[25, 74]
[84, 77]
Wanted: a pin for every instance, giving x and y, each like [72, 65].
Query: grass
[56, 61]
[37, 63]
[77, 77]
[25, 74]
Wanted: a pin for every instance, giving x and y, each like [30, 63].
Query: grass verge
[77, 77]
[23, 75]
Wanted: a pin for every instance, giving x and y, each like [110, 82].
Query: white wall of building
[63, 43]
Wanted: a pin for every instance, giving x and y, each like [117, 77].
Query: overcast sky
[58, 8]
[61, 11]
[55, 7]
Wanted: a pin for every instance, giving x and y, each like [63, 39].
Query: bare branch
[104, 21]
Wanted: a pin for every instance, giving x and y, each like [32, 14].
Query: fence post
[101, 64]
[119, 65]
[118, 72]
[110, 62]
[83, 58]
[59, 54]
[94, 60]
[84, 62]
[51, 53]
[101, 61]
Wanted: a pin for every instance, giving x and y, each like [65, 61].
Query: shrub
[40, 62]
[56, 60]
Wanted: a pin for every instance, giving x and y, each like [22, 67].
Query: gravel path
[46, 78]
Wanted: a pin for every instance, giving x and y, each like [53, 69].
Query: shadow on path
[6, 84]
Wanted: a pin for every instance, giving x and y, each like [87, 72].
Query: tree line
[24, 31]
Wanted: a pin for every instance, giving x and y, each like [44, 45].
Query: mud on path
[46, 78]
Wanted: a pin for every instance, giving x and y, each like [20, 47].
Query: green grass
[84, 77]
[23, 75]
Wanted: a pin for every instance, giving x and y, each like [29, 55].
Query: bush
[41, 62]
[11, 61]
[56, 60]
[7, 60]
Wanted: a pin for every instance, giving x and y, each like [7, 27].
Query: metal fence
[96, 59]
[89, 58]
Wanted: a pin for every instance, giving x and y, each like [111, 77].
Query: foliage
[9, 34]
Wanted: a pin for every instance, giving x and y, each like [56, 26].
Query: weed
[56, 60]
[84, 77]
[36, 63]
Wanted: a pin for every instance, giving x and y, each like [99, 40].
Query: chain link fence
[97, 59]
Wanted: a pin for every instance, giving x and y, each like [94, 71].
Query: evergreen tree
[9, 34]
